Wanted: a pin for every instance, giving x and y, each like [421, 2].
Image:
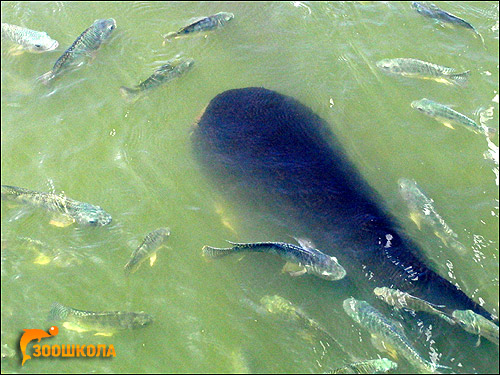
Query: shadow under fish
[274, 153]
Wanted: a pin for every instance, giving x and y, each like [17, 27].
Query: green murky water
[135, 160]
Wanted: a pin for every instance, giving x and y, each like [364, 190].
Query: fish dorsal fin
[305, 243]
[195, 20]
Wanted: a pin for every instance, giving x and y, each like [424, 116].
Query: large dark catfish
[274, 152]
[278, 152]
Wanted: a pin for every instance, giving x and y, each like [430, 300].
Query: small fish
[432, 11]
[147, 249]
[44, 254]
[201, 24]
[414, 68]
[279, 305]
[34, 334]
[87, 43]
[371, 366]
[402, 300]
[28, 40]
[167, 72]
[105, 323]
[308, 260]
[69, 209]
[422, 210]
[449, 117]
[387, 330]
[476, 324]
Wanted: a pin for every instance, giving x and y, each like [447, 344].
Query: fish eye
[38, 45]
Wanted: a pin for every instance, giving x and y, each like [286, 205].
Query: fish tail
[459, 78]
[58, 312]
[213, 252]
[128, 93]
[46, 78]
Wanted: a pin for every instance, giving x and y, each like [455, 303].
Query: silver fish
[305, 260]
[449, 117]
[147, 249]
[422, 210]
[88, 42]
[477, 324]
[167, 72]
[105, 322]
[378, 325]
[371, 366]
[432, 11]
[414, 68]
[29, 40]
[82, 213]
[403, 300]
[202, 24]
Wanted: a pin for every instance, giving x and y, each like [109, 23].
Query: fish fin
[382, 346]
[16, 50]
[74, 327]
[61, 221]
[219, 210]
[477, 34]
[293, 269]
[106, 334]
[441, 237]
[478, 341]
[417, 219]
[459, 78]
[305, 243]
[92, 55]
[42, 260]
[448, 125]
[46, 78]
[152, 259]
[227, 223]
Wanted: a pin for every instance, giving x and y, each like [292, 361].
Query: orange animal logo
[33, 334]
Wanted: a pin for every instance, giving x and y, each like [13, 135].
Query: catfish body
[274, 153]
